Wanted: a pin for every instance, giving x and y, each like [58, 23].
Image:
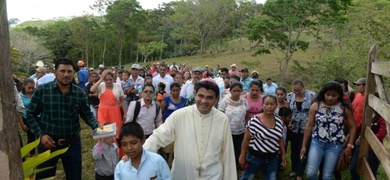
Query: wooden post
[10, 160]
[366, 123]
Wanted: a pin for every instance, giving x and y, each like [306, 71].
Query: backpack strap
[136, 110]
[157, 112]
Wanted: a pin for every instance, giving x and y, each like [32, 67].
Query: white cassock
[203, 144]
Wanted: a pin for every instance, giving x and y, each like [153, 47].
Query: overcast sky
[26, 10]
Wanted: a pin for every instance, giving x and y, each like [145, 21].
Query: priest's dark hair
[131, 129]
[208, 84]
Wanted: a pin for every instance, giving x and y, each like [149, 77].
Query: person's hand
[100, 125]
[348, 152]
[47, 142]
[104, 73]
[302, 154]
[24, 127]
[357, 141]
[290, 126]
[125, 158]
[241, 160]
[283, 160]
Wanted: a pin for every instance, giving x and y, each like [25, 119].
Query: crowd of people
[212, 123]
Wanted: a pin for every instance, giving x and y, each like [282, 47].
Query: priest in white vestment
[202, 137]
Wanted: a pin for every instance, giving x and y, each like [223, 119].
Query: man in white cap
[136, 81]
[101, 69]
[233, 71]
[42, 77]
[187, 90]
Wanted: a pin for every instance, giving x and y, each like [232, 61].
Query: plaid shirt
[56, 114]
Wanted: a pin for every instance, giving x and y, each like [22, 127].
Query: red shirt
[358, 108]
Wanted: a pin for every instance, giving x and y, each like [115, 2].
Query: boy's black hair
[161, 85]
[284, 111]
[131, 129]
[235, 77]
[148, 85]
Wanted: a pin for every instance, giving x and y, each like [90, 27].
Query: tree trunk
[104, 49]
[86, 54]
[162, 40]
[11, 162]
[93, 57]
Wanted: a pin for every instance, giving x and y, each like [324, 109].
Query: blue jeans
[269, 167]
[372, 160]
[319, 150]
[71, 161]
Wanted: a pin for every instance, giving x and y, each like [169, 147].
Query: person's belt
[65, 141]
[261, 154]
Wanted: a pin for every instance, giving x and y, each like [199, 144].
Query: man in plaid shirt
[53, 115]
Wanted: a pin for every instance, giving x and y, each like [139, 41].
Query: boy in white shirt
[141, 164]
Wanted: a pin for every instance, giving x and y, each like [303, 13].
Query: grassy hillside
[268, 67]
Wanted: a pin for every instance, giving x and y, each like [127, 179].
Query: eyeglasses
[297, 90]
[148, 92]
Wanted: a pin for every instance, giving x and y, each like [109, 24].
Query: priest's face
[205, 100]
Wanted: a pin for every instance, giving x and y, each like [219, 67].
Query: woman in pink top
[254, 98]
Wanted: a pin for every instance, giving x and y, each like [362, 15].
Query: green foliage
[30, 164]
[151, 47]
[345, 64]
[282, 23]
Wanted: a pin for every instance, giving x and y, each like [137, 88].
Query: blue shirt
[172, 106]
[152, 166]
[83, 78]
[26, 102]
[270, 90]
[245, 83]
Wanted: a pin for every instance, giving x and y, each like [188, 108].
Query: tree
[30, 49]
[11, 161]
[150, 48]
[201, 21]
[125, 17]
[283, 22]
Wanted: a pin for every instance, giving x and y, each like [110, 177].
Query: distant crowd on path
[213, 123]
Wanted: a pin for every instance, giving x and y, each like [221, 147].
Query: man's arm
[130, 112]
[183, 92]
[162, 136]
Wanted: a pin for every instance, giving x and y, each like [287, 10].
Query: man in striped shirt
[53, 115]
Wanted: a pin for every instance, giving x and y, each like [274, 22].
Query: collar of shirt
[198, 113]
[138, 78]
[143, 102]
[106, 146]
[72, 88]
